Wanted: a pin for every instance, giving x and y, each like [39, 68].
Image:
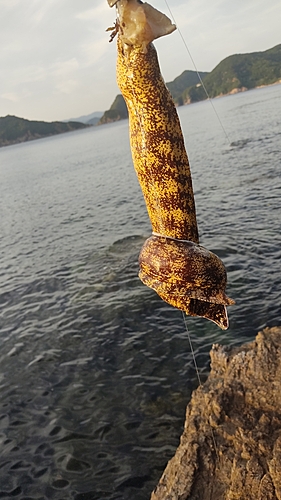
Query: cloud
[93, 51]
[56, 60]
[10, 96]
[94, 13]
[67, 86]
[65, 76]
[38, 10]
[9, 4]
[65, 68]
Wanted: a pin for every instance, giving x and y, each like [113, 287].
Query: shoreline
[29, 137]
[234, 91]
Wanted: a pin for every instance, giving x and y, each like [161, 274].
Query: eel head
[187, 276]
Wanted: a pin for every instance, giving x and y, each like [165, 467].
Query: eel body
[182, 272]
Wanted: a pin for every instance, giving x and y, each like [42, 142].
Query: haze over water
[95, 369]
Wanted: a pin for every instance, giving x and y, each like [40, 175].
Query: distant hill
[95, 120]
[118, 111]
[91, 119]
[187, 79]
[234, 74]
[14, 130]
[237, 73]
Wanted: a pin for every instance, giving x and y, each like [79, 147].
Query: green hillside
[118, 109]
[237, 73]
[234, 74]
[187, 79]
[14, 129]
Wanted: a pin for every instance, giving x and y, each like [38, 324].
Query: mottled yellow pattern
[172, 262]
[187, 276]
[157, 144]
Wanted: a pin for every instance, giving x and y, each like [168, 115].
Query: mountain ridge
[236, 73]
[90, 118]
[118, 109]
[14, 130]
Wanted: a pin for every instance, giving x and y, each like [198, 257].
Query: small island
[14, 130]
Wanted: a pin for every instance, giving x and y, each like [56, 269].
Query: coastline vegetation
[236, 73]
[14, 130]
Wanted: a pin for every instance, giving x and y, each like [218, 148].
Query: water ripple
[96, 370]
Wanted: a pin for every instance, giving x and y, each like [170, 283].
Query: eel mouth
[186, 276]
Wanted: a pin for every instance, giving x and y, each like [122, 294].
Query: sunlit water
[96, 370]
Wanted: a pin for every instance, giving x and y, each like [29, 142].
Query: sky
[56, 62]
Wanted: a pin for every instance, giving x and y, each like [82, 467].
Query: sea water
[96, 370]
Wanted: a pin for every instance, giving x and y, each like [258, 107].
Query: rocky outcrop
[231, 445]
[118, 111]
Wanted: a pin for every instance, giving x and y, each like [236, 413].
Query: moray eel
[172, 262]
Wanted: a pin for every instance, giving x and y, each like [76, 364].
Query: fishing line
[140, 120]
[192, 351]
[198, 74]
[228, 139]
[199, 380]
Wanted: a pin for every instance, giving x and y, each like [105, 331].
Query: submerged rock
[231, 444]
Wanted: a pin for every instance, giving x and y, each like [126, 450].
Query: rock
[230, 448]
